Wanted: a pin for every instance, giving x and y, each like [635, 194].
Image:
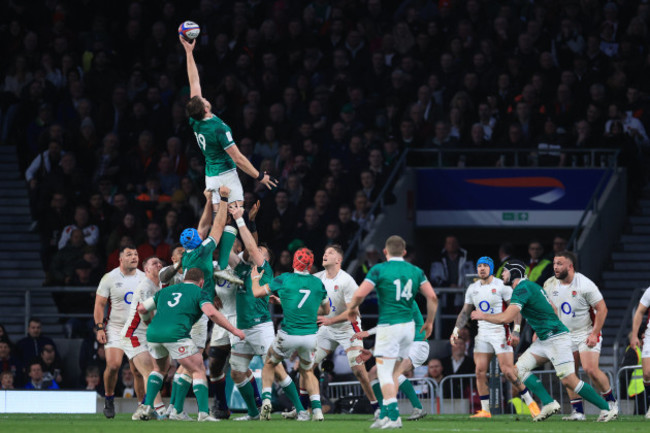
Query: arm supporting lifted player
[195, 91]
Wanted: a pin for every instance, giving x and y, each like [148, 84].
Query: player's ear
[201, 282]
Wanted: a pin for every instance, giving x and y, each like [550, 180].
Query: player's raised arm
[636, 324]
[245, 165]
[206, 217]
[221, 320]
[249, 242]
[192, 71]
[258, 291]
[220, 217]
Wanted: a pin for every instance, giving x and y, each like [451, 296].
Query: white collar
[301, 272]
[396, 259]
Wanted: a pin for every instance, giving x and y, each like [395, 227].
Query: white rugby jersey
[488, 298]
[134, 324]
[340, 290]
[575, 301]
[226, 293]
[645, 301]
[119, 290]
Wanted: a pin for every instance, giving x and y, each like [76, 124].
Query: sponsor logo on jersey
[556, 293]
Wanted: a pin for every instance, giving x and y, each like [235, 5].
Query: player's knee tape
[385, 371]
[275, 359]
[239, 363]
[525, 364]
[353, 354]
[320, 355]
[565, 369]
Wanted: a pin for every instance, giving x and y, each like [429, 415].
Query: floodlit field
[333, 423]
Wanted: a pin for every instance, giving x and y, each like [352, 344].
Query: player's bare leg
[388, 371]
[138, 381]
[577, 407]
[590, 364]
[359, 371]
[506, 364]
[585, 390]
[405, 385]
[269, 373]
[113, 363]
[143, 364]
[246, 383]
[645, 365]
[482, 362]
[311, 385]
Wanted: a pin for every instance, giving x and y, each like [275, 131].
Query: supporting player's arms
[507, 316]
[258, 291]
[599, 321]
[245, 165]
[636, 324]
[168, 272]
[221, 320]
[98, 314]
[432, 307]
[249, 242]
[327, 321]
[206, 217]
[359, 295]
[192, 71]
[324, 308]
[220, 217]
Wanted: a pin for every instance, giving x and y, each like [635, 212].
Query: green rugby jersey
[252, 311]
[201, 257]
[178, 309]
[537, 310]
[396, 282]
[301, 295]
[214, 137]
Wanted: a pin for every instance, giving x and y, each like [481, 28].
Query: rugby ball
[189, 30]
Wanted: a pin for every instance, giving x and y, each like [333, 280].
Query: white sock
[485, 405]
[528, 399]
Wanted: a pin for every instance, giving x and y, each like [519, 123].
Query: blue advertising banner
[504, 197]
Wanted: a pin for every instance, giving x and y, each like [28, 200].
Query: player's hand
[274, 300]
[189, 46]
[454, 337]
[324, 321]
[364, 356]
[592, 340]
[269, 181]
[239, 334]
[218, 303]
[208, 194]
[478, 315]
[534, 337]
[224, 191]
[513, 339]
[255, 274]
[360, 335]
[236, 211]
[352, 314]
[101, 336]
[634, 342]
[254, 209]
[427, 328]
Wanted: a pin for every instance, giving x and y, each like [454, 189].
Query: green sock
[183, 387]
[201, 392]
[392, 409]
[225, 245]
[314, 400]
[407, 388]
[266, 394]
[588, 393]
[246, 391]
[535, 386]
[172, 398]
[376, 388]
[291, 392]
[154, 383]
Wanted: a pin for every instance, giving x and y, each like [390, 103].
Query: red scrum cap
[303, 259]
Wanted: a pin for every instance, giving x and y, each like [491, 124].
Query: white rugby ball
[189, 30]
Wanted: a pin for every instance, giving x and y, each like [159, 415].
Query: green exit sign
[514, 216]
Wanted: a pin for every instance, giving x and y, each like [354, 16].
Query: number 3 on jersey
[177, 299]
[201, 140]
[407, 293]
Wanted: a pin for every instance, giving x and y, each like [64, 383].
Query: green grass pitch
[333, 423]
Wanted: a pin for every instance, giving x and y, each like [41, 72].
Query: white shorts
[284, 345]
[419, 353]
[178, 350]
[199, 332]
[579, 342]
[221, 337]
[645, 351]
[229, 179]
[135, 345]
[258, 340]
[114, 339]
[329, 338]
[556, 349]
[394, 341]
[492, 344]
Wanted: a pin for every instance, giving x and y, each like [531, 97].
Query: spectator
[81, 222]
[169, 180]
[348, 227]
[361, 214]
[62, 267]
[453, 265]
[6, 380]
[506, 251]
[539, 269]
[370, 258]
[31, 346]
[154, 245]
[4, 336]
[434, 370]
[51, 365]
[37, 380]
[93, 380]
[9, 363]
[127, 383]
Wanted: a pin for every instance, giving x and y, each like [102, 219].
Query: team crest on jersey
[574, 293]
[336, 288]
[181, 349]
[494, 291]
